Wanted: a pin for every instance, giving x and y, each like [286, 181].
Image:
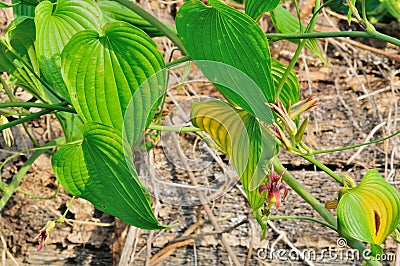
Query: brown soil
[359, 98]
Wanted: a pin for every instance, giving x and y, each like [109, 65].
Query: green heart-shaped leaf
[370, 211]
[102, 72]
[55, 27]
[96, 169]
[223, 34]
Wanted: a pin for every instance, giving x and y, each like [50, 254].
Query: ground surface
[359, 97]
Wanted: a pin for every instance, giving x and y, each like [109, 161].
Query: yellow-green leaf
[242, 138]
[370, 211]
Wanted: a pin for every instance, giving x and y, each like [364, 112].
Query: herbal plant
[95, 66]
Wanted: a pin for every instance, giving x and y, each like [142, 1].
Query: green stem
[355, 146]
[272, 218]
[42, 81]
[62, 218]
[302, 192]
[322, 167]
[178, 61]
[33, 140]
[174, 128]
[53, 107]
[9, 189]
[37, 196]
[289, 68]
[301, 45]
[369, 27]
[314, 35]
[7, 90]
[155, 22]
[9, 158]
[25, 119]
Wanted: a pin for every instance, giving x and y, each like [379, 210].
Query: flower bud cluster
[290, 135]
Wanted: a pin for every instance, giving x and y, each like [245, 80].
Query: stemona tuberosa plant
[95, 65]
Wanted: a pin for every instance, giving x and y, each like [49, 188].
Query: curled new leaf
[370, 211]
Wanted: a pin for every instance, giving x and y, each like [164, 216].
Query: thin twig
[198, 236]
[6, 252]
[133, 234]
[250, 250]
[203, 201]
[148, 248]
[370, 135]
[164, 253]
[282, 235]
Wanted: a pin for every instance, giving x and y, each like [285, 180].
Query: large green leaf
[256, 8]
[223, 34]
[240, 136]
[291, 89]
[54, 28]
[113, 11]
[393, 6]
[285, 22]
[370, 211]
[142, 106]
[103, 71]
[17, 56]
[96, 170]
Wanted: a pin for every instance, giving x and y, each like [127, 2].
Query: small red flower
[272, 189]
[44, 234]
